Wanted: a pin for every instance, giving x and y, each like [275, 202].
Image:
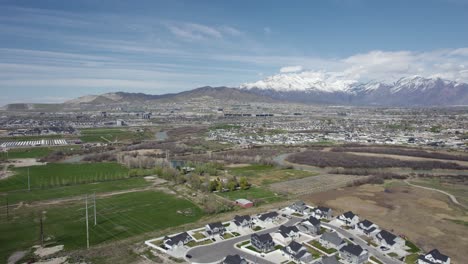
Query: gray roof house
[354, 254]
[310, 226]
[390, 240]
[367, 227]
[297, 252]
[177, 240]
[299, 207]
[433, 257]
[263, 243]
[243, 221]
[331, 240]
[349, 219]
[216, 228]
[268, 217]
[234, 259]
[322, 212]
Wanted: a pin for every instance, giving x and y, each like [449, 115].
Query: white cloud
[291, 69]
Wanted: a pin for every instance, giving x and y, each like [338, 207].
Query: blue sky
[51, 51]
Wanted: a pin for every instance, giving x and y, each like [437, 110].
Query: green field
[267, 174]
[254, 193]
[119, 217]
[107, 135]
[62, 174]
[74, 190]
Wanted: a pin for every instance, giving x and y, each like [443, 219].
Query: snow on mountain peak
[303, 81]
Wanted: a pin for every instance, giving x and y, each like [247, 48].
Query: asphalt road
[216, 252]
[364, 245]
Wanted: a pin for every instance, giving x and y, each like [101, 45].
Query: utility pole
[29, 182]
[42, 232]
[87, 227]
[7, 210]
[95, 216]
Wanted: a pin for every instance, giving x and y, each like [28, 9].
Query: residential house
[234, 259]
[297, 252]
[286, 234]
[328, 260]
[177, 240]
[216, 228]
[268, 217]
[331, 240]
[354, 254]
[263, 243]
[322, 212]
[348, 219]
[434, 257]
[387, 239]
[367, 227]
[244, 221]
[310, 226]
[299, 207]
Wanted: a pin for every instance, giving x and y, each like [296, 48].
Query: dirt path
[78, 198]
[452, 197]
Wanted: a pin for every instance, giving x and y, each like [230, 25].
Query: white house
[331, 240]
[321, 212]
[389, 240]
[297, 252]
[354, 254]
[310, 226]
[216, 228]
[367, 227]
[348, 219]
[285, 234]
[434, 257]
[244, 221]
[177, 240]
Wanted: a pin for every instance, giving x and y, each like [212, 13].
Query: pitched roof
[294, 246]
[177, 238]
[263, 238]
[233, 259]
[436, 255]
[332, 237]
[387, 236]
[216, 225]
[323, 209]
[329, 260]
[349, 215]
[313, 220]
[242, 218]
[355, 250]
[265, 216]
[366, 223]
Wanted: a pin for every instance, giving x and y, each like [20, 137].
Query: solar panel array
[32, 143]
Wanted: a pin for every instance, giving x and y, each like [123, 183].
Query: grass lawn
[201, 243]
[411, 259]
[113, 134]
[392, 254]
[198, 236]
[317, 244]
[412, 246]
[227, 236]
[253, 249]
[266, 174]
[315, 253]
[62, 174]
[119, 217]
[75, 190]
[239, 245]
[254, 193]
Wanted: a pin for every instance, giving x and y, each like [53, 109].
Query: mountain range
[303, 87]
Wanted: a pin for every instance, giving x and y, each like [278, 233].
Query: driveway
[364, 245]
[215, 252]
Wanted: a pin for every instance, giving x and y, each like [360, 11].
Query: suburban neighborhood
[298, 233]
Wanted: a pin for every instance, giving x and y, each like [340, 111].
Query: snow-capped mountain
[330, 88]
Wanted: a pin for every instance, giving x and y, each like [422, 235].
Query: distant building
[354, 254]
[216, 228]
[263, 243]
[244, 203]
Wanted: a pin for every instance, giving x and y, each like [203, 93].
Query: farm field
[119, 217]
[460, 191]
[61, 174]
[254, 194]
[36, 195]
[267, 174]
[426, 217]
[106, 135]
